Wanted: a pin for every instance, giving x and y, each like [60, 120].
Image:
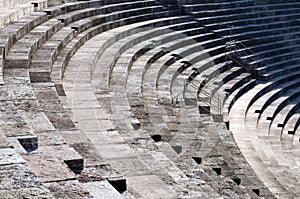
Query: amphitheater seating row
[276, 62]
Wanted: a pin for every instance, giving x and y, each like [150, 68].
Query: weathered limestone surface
[100, 99]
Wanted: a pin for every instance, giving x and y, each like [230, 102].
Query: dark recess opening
[35, 4]
[237, 181]
[218, 170]
[198, 160]
[29, 143]
[156, 138]
[118, 184]
[256, 191]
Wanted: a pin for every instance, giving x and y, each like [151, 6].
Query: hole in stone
[269, 118]
[156, 138]
[218, 170]
[256, 191]
[60, 90]
[228, 90]
[227, 125]
[237, 181]
[62, 20]
[204, 109]
[136, 126]
[198, 160]
[76, 165]
[48, 12]
[257, 111]
[280, 125]
[291, 132]
[74, 28]
[35, 4]
[29, 143]
[118, 184]
[177, 149]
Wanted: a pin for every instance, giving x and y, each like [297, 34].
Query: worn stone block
[155, 187]
[47, 167]
[10, 156]
[29, 192]
[15, 176]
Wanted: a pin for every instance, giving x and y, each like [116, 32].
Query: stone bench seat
[46, 120]
[262, 42]
[40, 67]
[283, 117]
[126, 124]
[111, 89]
[232, 72]
[237, 94]
[14, 127]
[238, 16]
[42, 126]
[24, 48]
[217, 81]
[64, 8]
[265, 87]
[184, 53]
[268, 48]
[13, 32]
[202, 66]
[119, 48]
[34, 120]
[173, 47]
[203, 143]
[8, 16]
[216, 6]
[6, 3]
[60, 16]
[119, 77]
[212, 72]
[290, 131]
[122, 61]
[147, 95]
[233, 85]
[70, 49]
[276, 55]
[232, 78]
[122, 9]
[291, 128]
[263, 34]
[259, 10]
[264, 154]
[201, 62]
[269, 114]
[281, 72]
[156, 55]
[17, 178]
[269, 96]
[247, 25]
[280, 61]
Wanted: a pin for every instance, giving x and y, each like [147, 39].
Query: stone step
[265, 153]
[14, 13]
[17, 179]
[114, 148]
